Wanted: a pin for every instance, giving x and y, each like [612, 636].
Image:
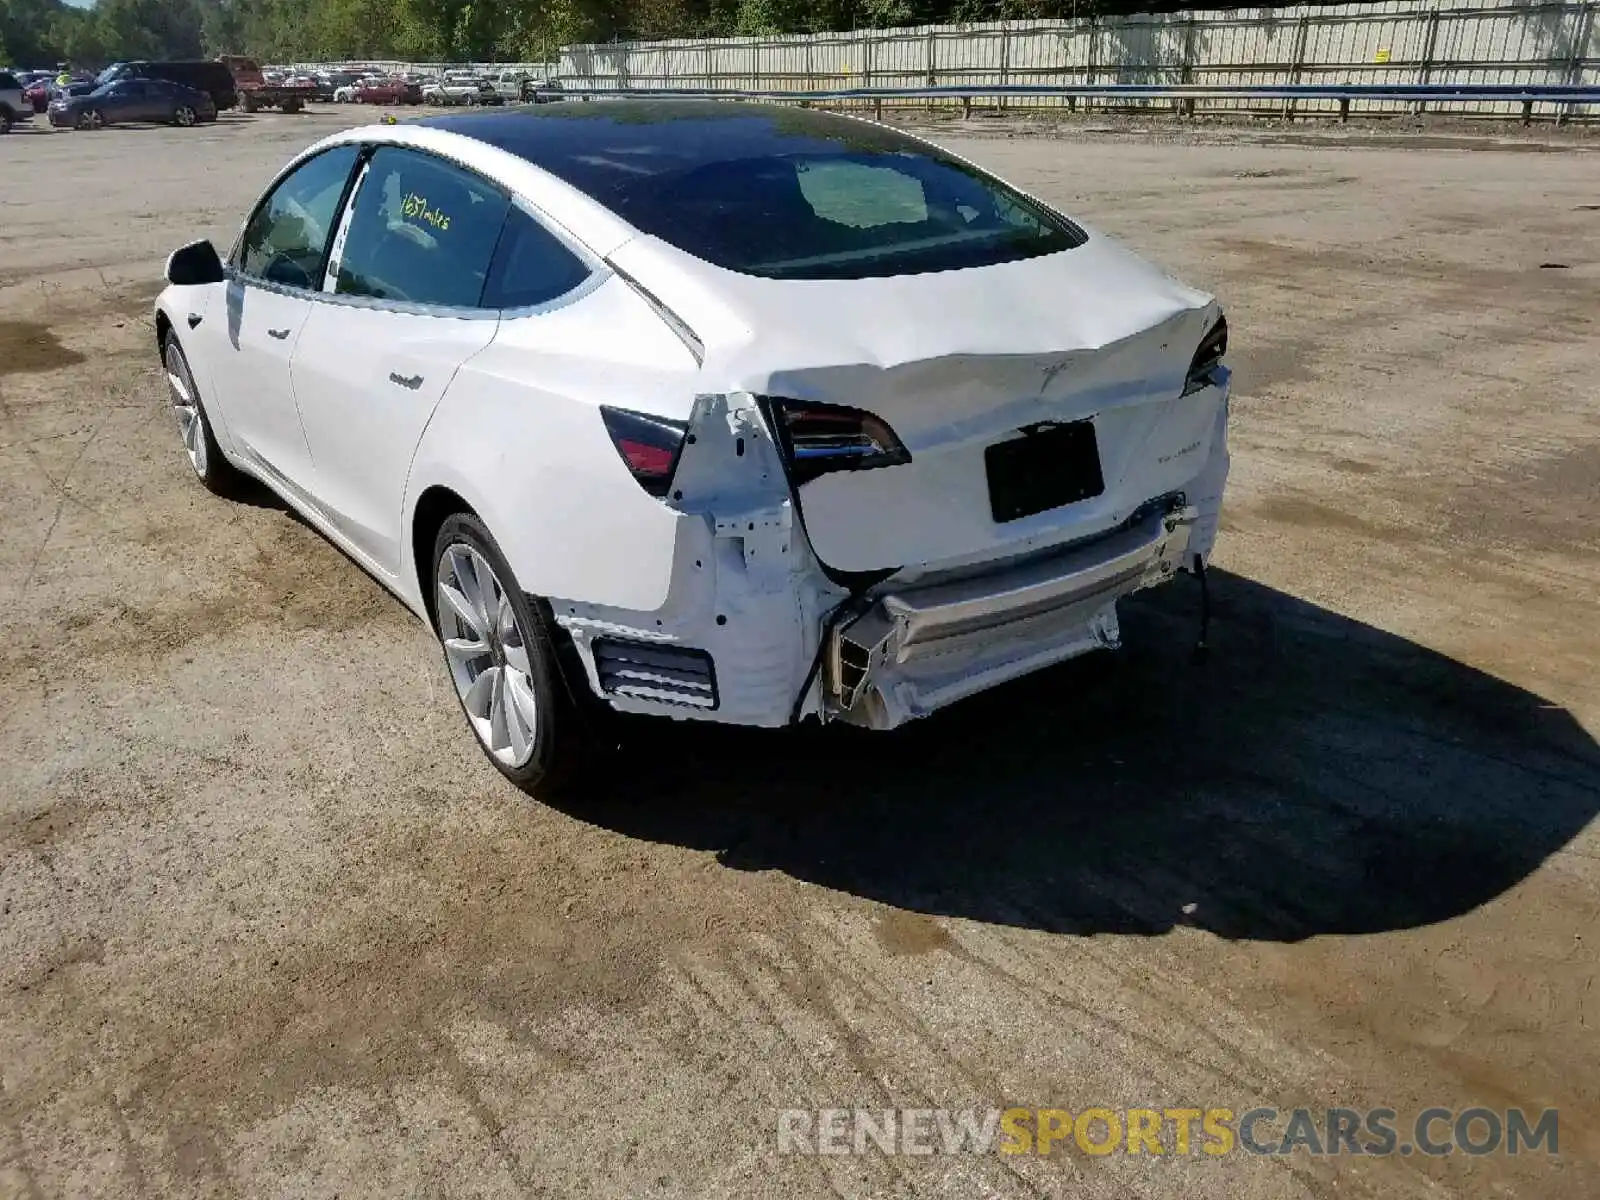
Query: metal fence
[541, 70]
[1472, 42]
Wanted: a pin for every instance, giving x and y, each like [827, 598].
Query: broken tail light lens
[821, 438]
[1208, 357]
[648, 445]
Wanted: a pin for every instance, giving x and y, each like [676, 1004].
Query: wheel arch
[436, 503]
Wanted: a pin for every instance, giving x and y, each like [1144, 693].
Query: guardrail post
[1299, 63]
[1091, 72]
[1429, 43]
[1186, 71]
[866, 74]
[710, 60]
[933, 77]
[1344, 110]
[1005, 62]
[1527, 112]
[1583, 21]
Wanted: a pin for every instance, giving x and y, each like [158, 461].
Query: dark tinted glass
[781, 192]
[530, 266]
[287, 239]
[8, 82]
[422, 231]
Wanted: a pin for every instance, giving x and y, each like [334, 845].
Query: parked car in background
[455, 87]
[258, 89]
[345, 93]
[542, 91]
[509, 85]
[13, 107]
[205, 75]
[389, 91]
[56, 91]
[125, 100]
[328, 83]
[780, 414]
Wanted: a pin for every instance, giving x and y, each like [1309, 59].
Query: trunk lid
[957, 362]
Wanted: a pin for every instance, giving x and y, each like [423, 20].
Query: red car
[389, 91]
[37, 94]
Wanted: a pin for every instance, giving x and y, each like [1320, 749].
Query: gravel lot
[269, 925]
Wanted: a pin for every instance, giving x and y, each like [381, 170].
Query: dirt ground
[270, 926]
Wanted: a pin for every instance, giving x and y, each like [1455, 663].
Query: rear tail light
[821, 438]
[1208, 357]
[649, 445]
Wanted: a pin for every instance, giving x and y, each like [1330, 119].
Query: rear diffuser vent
[667, 674]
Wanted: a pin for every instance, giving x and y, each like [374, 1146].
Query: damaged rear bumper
[918, 649]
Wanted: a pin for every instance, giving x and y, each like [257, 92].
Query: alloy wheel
[487, 651]
[186, 407]
[184, 116]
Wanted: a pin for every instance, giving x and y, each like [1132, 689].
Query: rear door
[402, 311]
[273, 274]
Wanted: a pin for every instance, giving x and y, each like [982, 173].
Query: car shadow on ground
[1314, 776]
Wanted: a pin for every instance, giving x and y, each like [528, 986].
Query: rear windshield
[784, 193]
[844, 216]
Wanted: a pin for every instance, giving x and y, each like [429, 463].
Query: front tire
[183, 116]
[194, 425]
[502, 659]
[93, 119]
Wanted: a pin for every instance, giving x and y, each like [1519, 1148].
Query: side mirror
[194, 264]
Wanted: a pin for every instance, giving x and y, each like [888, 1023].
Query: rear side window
[9, 83]
[422, 231]
[286, 241]
[530, 266]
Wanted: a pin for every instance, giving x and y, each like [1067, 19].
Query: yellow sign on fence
[1382, 55]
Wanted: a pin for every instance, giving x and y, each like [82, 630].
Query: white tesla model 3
[723, 411]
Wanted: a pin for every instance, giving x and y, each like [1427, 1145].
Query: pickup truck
[256, 93]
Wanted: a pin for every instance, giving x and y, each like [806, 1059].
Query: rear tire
[5, 120]
[500, 652]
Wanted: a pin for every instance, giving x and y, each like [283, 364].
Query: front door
[276, 270]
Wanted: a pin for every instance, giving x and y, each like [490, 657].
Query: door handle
[280, 334]
[406, 381]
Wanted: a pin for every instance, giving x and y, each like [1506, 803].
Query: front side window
[422, 231]
[286, 241]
